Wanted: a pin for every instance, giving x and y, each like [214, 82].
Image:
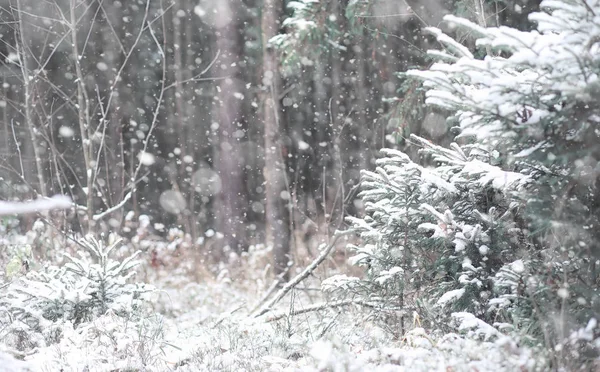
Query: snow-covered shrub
[506, 225]
[110, 342]
[33, 307]
[443, 231]
[107, 278]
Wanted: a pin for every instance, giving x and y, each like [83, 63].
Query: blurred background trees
[181, 109]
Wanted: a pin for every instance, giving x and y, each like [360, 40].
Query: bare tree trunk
[336, 190]
[23, 49]
[180, 111]
[7, 136]
[322, 137]
[365, 128]
[83, 118]
[278, 198]
[114, 154]
[230, 163]
[191, 138]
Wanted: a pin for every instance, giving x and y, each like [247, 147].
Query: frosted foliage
[410, 207]
[39, 308]
[500, 223]
[529, 105]
[499, 97]
[310, 33]
[451, 296]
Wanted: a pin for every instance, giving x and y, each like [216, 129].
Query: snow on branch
[274, 316]
[39, 205]
[99, 216]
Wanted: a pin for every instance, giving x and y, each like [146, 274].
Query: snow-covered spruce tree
[505, 225]
[33, 308]
[440, 233]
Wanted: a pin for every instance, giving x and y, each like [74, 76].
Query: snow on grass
[207, 328]
[199, 323]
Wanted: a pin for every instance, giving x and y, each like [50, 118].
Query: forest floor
[199, 321]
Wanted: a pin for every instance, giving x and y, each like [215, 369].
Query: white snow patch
[102, 66]
[66, 132]
[450, 296]
[146, 158]
[55, 202]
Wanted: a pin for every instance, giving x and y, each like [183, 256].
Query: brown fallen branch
[304, 274]
[320, 306]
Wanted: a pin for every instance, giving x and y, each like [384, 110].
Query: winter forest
[299, 185]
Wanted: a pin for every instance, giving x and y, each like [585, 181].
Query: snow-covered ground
[196, 321]
[203, 328]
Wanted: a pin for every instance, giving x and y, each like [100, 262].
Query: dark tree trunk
[230, 162]
[277, 211]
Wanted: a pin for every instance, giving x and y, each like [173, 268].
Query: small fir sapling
[36, 304]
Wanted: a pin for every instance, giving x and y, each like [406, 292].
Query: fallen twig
[316, 307]
[271, 289]
[304, 274]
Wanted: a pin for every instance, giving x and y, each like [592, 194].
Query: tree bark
[337, 178]
[28, 81]
[365, 126]
[322, 136]
[114, 152]
[84, 119]
[277, 195]
[231, 212]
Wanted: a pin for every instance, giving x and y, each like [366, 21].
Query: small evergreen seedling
[32, 307]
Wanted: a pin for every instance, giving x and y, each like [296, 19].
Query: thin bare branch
[159, 100]
[99, 216]
[305, 273]
[274, 316]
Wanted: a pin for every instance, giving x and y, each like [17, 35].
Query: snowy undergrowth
[220, 336]
[189, 324]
